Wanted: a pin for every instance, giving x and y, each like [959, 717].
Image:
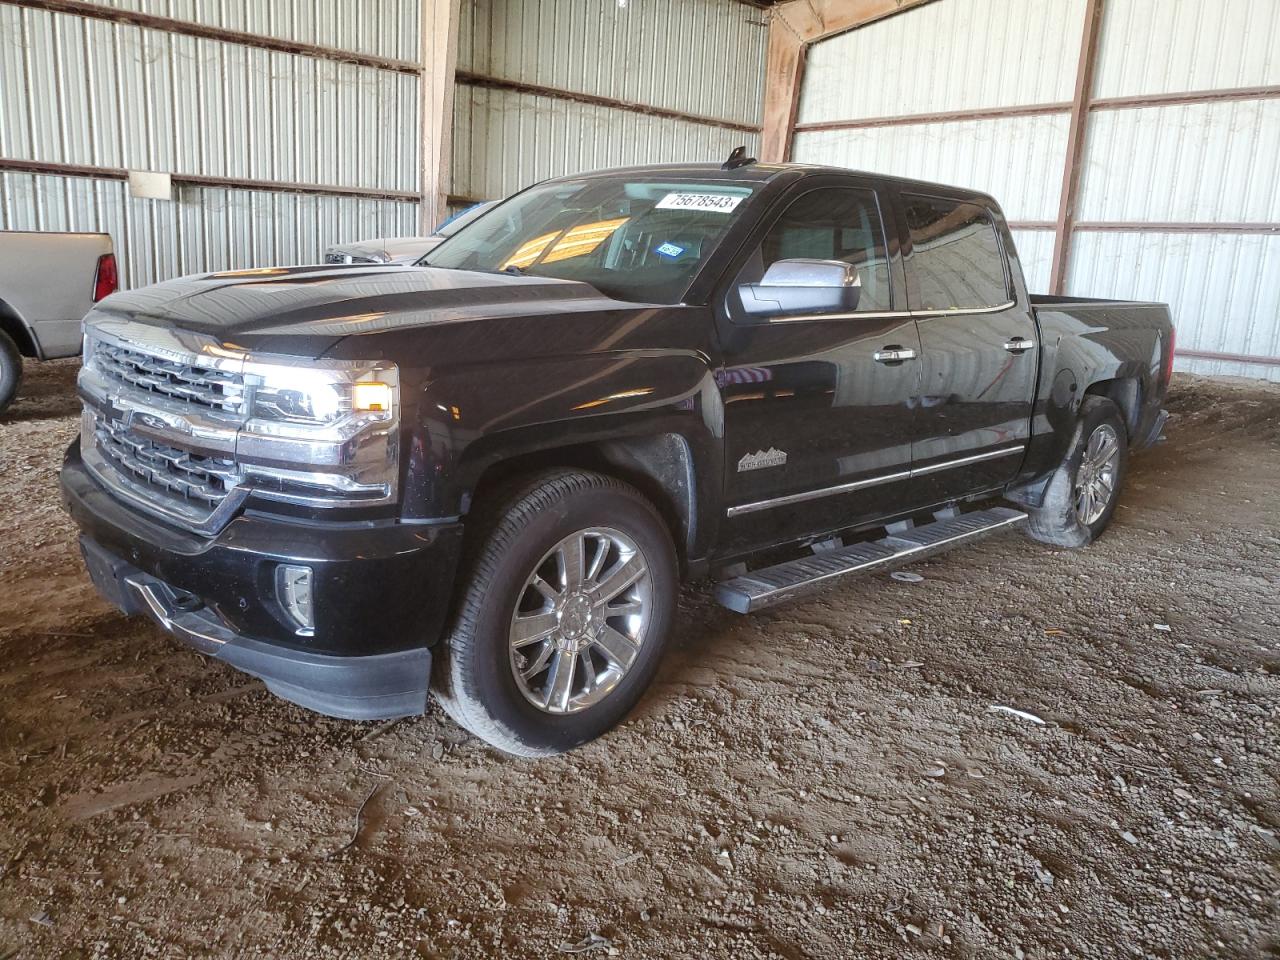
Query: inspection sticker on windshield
[709, 202]
[669, 249]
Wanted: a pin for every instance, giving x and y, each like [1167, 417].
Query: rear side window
[955, 261]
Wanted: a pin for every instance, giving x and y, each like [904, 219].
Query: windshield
[640, 240]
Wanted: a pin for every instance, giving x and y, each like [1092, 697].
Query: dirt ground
[824, 780]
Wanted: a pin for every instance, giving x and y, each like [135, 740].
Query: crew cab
[48, 281]
[484, 476]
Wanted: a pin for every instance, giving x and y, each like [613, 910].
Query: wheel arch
[11, 323]
[1125, 393]
[660, 465]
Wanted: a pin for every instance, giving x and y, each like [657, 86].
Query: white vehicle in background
[402, 249]
[48, 282]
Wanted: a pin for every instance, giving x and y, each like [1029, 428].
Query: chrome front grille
[175, 423]
[184, 382]
[199, 482]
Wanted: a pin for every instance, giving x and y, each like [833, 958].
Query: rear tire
[1082, 494]
[10, 370]
[555, 562]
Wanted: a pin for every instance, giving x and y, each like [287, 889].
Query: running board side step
[785, 581]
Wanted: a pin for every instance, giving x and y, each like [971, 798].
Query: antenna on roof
[737, 159]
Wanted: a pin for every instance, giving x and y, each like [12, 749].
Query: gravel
[775, 795]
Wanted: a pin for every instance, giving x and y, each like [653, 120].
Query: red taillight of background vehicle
[1168, 358]
[107, 280]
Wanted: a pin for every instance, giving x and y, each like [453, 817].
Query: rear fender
[1074, 359]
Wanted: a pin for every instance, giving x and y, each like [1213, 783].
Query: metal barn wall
[203, 228]
[698, 64]
[1215, 165]
[328, 150]
[383, 28]
[898, 79]
[504, 141]
[1179, 201]
[116, 96]
[1008, 157]
[944, 56]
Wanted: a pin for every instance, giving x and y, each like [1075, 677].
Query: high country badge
[773, 457]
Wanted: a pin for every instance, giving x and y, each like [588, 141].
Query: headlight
[321, 431]
[310, 395]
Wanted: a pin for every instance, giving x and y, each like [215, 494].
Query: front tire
[566, 610]
[1082, 494]
[10, 370]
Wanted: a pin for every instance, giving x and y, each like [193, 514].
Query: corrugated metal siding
[381, 28]
[203, 228]
[1221, 288]
[1175, 46]
[953, 55]
[1012, 158]
[97, 93]
[1035, 252]
[698, 56]
[76, 90]
[504, 141]
[1201, 162]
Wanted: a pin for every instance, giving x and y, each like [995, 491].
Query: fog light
[293, 590]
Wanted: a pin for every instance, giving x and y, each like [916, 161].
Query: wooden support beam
[793, 26]
[439, 54]
[784, 67]
[1076, 137]
[838, 16]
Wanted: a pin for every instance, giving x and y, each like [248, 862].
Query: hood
[331, 301]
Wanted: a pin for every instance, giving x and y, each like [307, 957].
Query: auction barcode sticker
[710, 202]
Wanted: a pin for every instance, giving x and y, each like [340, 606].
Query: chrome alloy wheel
[1096, 478]
[580, 620]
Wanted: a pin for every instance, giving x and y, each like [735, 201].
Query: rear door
[818, 430]
[979, 350]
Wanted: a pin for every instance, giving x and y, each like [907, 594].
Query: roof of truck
[757, 172]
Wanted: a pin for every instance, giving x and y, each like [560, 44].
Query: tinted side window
[835, 223]
[955, 261]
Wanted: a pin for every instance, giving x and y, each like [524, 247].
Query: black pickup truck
[485, 475]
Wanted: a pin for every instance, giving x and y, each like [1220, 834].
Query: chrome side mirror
[801, 287]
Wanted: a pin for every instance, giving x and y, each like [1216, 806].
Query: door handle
[1019, 345]
[894, 354]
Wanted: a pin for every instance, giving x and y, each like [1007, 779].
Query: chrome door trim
[965, 461]
[965, 312]
[758, 505]
[815, 494]
[894, 314]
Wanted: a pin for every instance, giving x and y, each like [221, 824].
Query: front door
[978, 367]
[818, 405]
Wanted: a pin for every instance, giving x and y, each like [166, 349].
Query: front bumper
[381, 593]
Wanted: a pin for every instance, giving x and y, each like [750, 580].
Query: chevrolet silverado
[483, 476]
